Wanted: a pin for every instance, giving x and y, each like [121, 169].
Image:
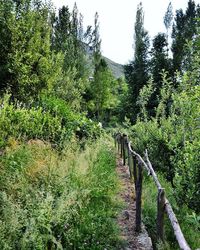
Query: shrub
[53, 122]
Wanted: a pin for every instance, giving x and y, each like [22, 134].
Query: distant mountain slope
[116, 68]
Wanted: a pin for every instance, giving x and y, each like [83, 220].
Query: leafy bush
[172, 137]
[29, 123]
[53, 121]
[79, 123]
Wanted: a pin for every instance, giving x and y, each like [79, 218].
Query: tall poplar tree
[96, 41]
[69, 39]
[168, 22]
[137, 71]
[159, 62]
[100, 93]
[184, 29]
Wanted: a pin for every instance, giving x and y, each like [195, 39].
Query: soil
[126, 219]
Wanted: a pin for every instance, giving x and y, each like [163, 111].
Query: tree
[159, 62]
[70, 38]
[184, 29]
[96, 41]
[100, 94]
[27, 61]
[71, 41]
[137, 71]
[6, 8]
[101, 90]
[168, 22]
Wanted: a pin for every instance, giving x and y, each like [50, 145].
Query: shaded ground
[126, 219]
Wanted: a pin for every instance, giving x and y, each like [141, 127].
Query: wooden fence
[136, 165]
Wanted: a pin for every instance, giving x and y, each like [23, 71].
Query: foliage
[102, 94]
[159, 62]
[172, 137]
[137, 71]
[52, 121]
[5, 42]
[184, 29]
[168, 18]
[70, 39]
[28, 61]
[101, 90]
[189, 221]
[58, 201]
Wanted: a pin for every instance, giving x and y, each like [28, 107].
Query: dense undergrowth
[58, 201]
[51, 120]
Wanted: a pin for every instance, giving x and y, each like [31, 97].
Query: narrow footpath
[126, 219]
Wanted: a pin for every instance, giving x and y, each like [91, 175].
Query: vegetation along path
[59, 100]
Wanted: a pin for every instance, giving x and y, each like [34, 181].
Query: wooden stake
[160, 213]
[134, 170]
[139, 198]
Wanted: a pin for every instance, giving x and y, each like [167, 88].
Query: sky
[117, 19]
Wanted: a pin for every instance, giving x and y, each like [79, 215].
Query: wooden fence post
[139, 198]
[118, 142]
[124, 149]
[118, 146]
[134, 170]
[129, 162]
[160, 213]
[121, 146]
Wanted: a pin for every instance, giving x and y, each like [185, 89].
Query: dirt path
[126, 219]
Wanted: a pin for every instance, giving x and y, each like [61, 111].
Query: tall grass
[189, 221]
[58, 201]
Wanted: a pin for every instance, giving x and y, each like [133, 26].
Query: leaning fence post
[139, 198]
[160, 213]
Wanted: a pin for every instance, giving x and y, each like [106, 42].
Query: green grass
[58, 201]
[189, 222]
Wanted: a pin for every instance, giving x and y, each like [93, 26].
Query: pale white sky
[117, 18]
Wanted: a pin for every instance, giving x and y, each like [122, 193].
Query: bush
[83, 127]
[53, 122]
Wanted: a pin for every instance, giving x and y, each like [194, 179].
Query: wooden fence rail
[136, 164]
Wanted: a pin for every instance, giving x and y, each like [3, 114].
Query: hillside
[116, 68]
